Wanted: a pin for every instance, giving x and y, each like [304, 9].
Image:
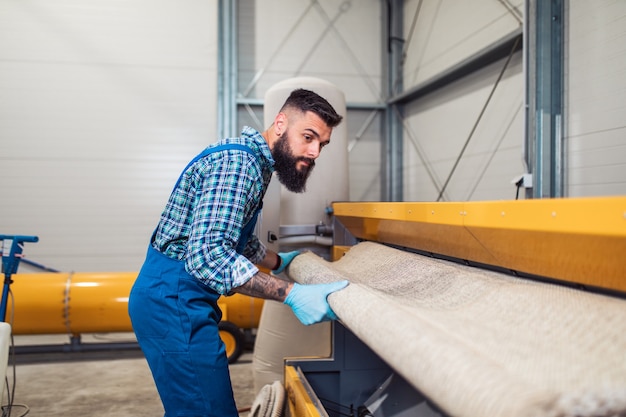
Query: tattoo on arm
[265, 286]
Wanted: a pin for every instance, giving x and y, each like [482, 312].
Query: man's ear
[280, 124]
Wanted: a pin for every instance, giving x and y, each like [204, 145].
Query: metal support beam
[258, 102]
[227, 69]
[497, 51]
[544, 80]
[392, 169]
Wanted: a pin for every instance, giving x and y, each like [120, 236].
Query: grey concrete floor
[109, 383]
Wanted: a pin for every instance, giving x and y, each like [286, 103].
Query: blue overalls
[175, 318]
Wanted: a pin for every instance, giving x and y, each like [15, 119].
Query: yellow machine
[578, 240]
[76, 303]
[578, 243]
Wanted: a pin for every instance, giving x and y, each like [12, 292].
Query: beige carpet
[479, 343]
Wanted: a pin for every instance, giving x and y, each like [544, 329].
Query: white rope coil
[269, 402]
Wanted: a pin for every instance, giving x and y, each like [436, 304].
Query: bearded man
[204, 247]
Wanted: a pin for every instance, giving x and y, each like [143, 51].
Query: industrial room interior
[474, 196]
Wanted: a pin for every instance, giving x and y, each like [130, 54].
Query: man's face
[297, 148]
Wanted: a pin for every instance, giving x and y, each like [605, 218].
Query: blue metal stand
[12, 247]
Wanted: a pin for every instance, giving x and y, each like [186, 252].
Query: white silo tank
[280, 334]
[329, 180]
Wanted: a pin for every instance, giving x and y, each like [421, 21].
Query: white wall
[438, 125]
[338, 41]
[595, 136]
[448, 31]
[101, 105]
[365, 129]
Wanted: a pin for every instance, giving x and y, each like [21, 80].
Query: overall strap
[248, 227]
[248, 230]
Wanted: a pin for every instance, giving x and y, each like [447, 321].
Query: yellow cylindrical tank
[94, 302]
[70, 302]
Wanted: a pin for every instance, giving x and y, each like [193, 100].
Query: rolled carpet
[477, 342]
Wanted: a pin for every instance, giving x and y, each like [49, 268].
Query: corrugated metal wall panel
[101, 106]
[441, 123]
[595, 98]
[364, 154]
[339, 41]
[449, 31]
[102, 103]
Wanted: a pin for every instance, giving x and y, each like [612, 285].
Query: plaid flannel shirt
[206, 212]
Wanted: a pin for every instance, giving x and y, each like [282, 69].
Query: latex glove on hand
[309, 302]
[285, 260]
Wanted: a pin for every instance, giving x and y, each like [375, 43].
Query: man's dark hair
[305, 100]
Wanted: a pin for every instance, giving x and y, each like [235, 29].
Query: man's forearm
[271, 260]
[265, 286]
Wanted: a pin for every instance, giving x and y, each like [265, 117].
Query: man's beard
[285, 165]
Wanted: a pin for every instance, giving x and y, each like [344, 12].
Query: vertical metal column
[392, 162]
[544, 90]
[227, 69]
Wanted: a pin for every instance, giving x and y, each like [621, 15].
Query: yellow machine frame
[300, 403]
[578, 240]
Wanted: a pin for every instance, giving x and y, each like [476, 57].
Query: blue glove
[309, 303]
[285, 260]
